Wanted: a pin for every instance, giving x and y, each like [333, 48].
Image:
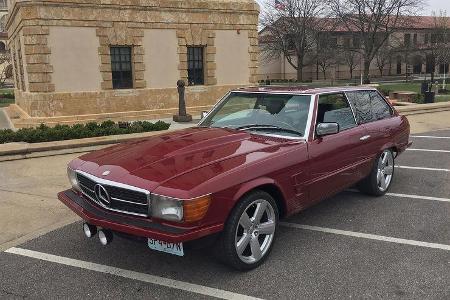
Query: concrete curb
[423, 108]
[15, 149]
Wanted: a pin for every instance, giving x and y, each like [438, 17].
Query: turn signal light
[195, 209]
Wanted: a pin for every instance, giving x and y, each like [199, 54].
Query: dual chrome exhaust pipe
[104, 235]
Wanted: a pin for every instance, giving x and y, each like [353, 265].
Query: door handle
[365, 138]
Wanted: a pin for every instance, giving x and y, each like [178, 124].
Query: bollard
[182, 115]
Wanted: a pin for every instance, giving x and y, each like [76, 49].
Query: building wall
[231, 58]
[61, 82]
[161, 56]
[74, 61]
[407, 58]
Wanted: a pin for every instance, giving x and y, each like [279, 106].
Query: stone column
[182, 115]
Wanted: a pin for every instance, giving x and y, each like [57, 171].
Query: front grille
[124, 200]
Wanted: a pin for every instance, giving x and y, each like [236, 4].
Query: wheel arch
[267, 185]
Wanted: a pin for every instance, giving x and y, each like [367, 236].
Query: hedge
[44, 133]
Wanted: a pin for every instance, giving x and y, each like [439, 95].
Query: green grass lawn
[442, 98]
[6, 102]
[410, 87]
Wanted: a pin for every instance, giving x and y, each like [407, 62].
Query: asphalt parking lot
[349, 246]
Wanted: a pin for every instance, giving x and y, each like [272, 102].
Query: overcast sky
[433, 5]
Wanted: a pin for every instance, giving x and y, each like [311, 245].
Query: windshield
[263, 113]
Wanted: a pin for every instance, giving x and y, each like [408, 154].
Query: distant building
[409, 53]
[92, 60]
[3, 18]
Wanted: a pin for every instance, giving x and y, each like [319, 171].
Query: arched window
[2, 47]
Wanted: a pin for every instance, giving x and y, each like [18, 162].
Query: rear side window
[380, 109]
[334, 108]
[369, 106]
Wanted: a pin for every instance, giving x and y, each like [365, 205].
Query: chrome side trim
[309, 125]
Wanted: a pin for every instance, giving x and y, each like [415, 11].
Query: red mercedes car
[259, 155]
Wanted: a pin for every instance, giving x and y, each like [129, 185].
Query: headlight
[167, 208]
[73, 179]
[171, 209]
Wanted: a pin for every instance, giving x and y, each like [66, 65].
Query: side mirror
[204, 114]
[323, 129]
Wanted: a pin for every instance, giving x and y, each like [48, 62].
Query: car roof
[272, 89]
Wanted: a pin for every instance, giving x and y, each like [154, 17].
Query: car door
[376, 116]
[335, 159]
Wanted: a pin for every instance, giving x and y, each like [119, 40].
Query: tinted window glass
[369, 106]
[334, 108]
[361, 105]
[380, 109]
[122, 76]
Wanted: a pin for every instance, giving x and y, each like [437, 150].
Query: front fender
[253, 184]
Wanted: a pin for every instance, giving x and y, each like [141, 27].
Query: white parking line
[407, 196]
[421, 168]
[418, 197]
[429, 150]
[430, 137]
[170, 283]
[368, 236]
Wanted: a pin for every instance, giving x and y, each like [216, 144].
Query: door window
[334, 108]
[369, 106]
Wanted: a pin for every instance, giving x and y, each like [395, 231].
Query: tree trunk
[300, 73]
[299, 68]
[366, 71]
[351, 73]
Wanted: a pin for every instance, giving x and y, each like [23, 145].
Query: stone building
[407, 52]
[80, 60]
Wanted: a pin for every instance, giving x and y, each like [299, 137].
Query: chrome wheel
[385, 170]
[255, 231]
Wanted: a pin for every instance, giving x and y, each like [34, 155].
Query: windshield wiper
[268, 127]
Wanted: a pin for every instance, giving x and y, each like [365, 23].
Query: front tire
[380, 178]
[249, 233]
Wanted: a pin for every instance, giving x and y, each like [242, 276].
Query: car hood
[148, 163]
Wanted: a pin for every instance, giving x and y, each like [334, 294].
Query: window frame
[314, 125]
[121, 86]
[391, 110]
[196, 72]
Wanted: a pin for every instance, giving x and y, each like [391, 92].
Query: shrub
[43, 133]
[7, 95]
[419, 99]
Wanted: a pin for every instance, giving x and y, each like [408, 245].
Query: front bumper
[137, 226]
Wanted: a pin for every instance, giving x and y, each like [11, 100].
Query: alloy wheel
[255, 231]
[385, 170]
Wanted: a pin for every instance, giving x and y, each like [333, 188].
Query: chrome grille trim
[110, 183]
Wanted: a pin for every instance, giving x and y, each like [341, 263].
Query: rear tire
[380, 178]
[249, 232]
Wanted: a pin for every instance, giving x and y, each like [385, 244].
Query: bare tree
[325, 52]
[7, 72]
[440, 42]
[383, 57]
[375, 20]
[289, 31]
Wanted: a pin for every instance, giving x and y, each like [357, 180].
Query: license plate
[171, 248]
